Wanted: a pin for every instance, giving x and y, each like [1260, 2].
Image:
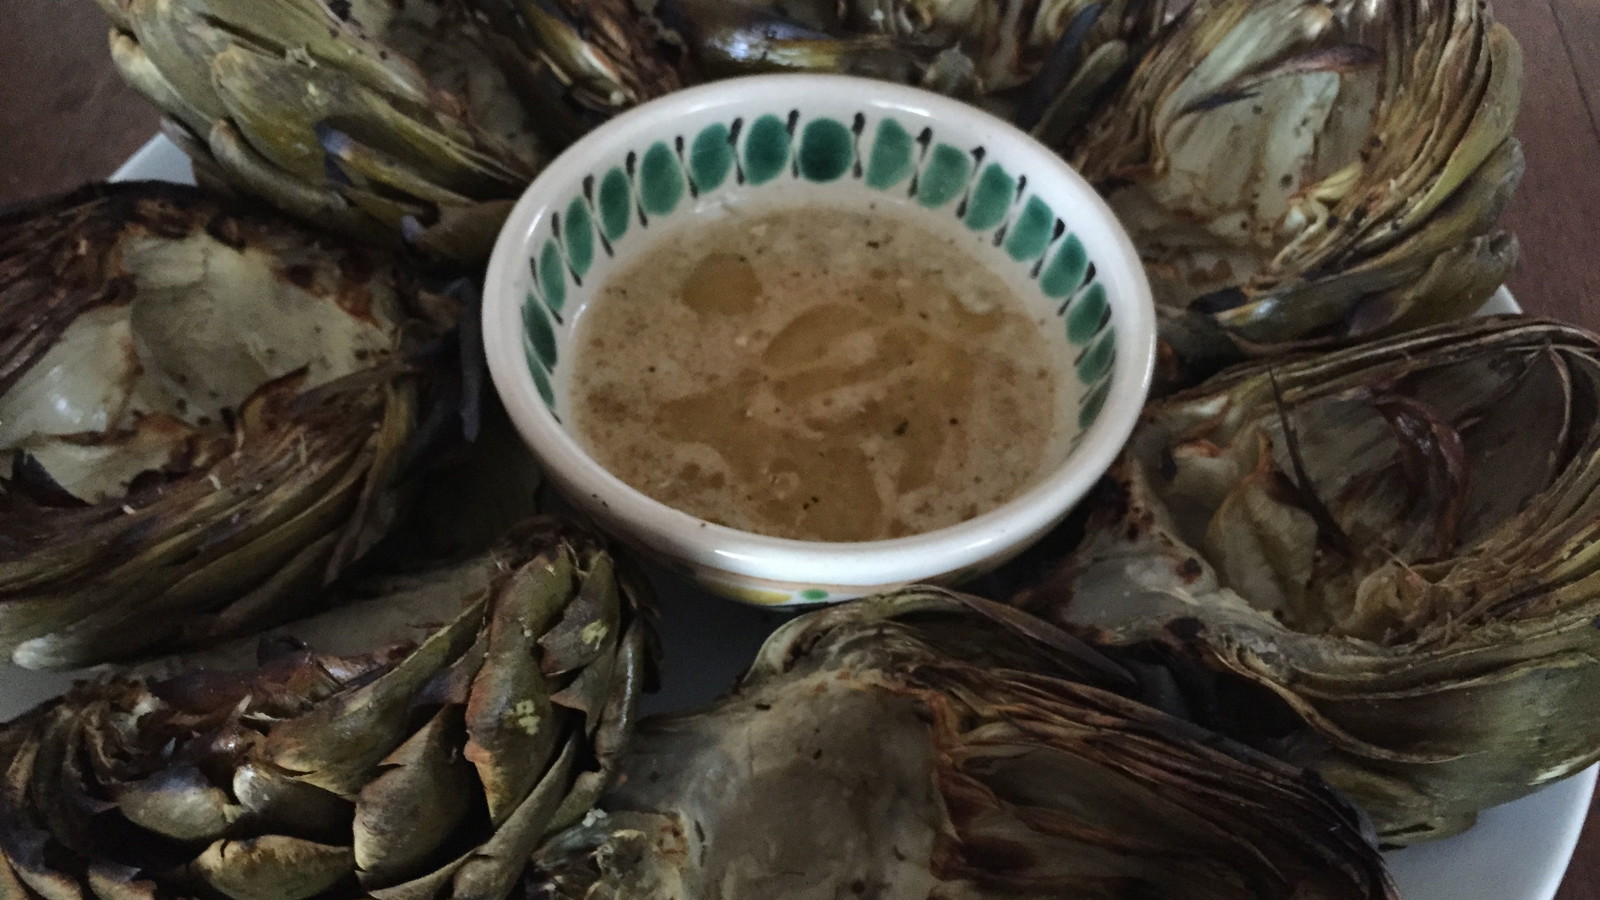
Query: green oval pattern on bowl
[657, 181]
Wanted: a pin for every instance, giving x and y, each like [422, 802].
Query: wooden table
[66, 118]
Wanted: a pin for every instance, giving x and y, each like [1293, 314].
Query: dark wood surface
[65, 117]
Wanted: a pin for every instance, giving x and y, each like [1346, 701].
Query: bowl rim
[633, 515]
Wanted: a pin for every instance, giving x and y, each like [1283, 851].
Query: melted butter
[816, 374]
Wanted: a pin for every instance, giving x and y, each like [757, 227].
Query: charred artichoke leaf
[1389, 551]
[1293, 170]
[361, 753]
[908, 746]
[377, 119]
[203, 418]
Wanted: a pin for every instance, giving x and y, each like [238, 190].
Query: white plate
[1518, 851]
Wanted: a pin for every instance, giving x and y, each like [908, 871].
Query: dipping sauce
[818, 374]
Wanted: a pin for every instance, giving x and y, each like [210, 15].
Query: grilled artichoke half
[1303, 172]
[1041, 64]
[375, 118]
[906, 747]
[1398, 545]
[417, 745]
[203, 416]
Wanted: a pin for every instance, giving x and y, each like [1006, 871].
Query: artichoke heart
[414, 745]
[203, 416]
[906, 746]
[1298, 172]
[1386, 558]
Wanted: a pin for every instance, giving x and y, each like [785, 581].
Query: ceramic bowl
[751, 145]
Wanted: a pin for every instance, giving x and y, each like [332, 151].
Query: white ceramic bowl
[751, 145]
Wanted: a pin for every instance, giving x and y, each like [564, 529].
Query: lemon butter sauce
[816, 373]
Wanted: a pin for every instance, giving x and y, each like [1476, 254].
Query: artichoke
[1387, 558]
[905, 746]
[1300, 172]
[418, 747]
[1042, 65]
[204, 416]
[375, 118]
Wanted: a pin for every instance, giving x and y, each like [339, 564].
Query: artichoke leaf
[90, 372]
[180, 803]
[390, 451]
[629, 682]
[372, 171]
[337, 745]
[1489, 127]
[207, 172]
[1411, 282]
[511, 721]
[610, 730]
[110, 881]
[61, 806]
[490, 870]
[591, 689]
[302, 575]
[280, 109]
[273, 867]
[304, 310]
[1471, 210]
[177, 40]
[146, 77]
[311, 28]
[23, 842]
[242, 165]
[1261, 543]
[1449, 289]
[274, 799]
[404, 814]
[458, 232]
[1541, 384]
[588, 626]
